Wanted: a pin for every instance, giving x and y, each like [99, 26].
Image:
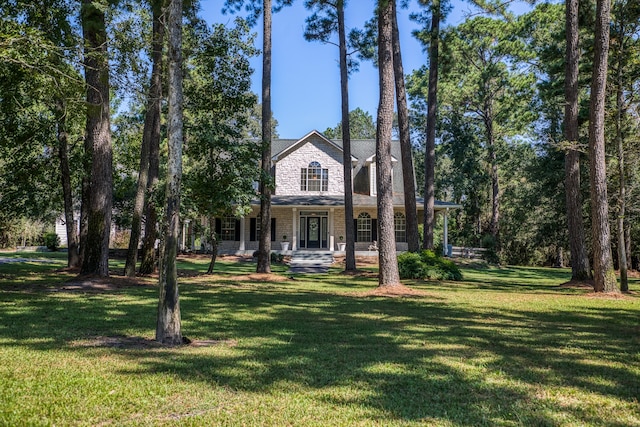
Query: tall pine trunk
[98, 137]
[387, 259]
[350, 254]
[151, 130]
[264, 245]
[580, 268]
[168, 329]
[149, 255]
[214, 244]
[408, 178]
[622, 195]
[430, 146]
[604, 275]
[494, 225]
[73, 258]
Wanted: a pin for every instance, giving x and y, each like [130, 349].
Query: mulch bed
[142, 343]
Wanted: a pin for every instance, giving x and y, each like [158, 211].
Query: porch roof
[359, 200]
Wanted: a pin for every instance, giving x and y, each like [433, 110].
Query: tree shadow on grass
[418, 360]
[410, 359]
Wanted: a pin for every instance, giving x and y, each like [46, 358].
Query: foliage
[52, 241]
[427, 265]
[220, 162]
[276, 258]
[361, 125]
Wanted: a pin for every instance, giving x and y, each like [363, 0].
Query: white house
[308, 201]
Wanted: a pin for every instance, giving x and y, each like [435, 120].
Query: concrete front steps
[310, 261]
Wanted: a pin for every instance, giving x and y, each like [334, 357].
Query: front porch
[302, 228]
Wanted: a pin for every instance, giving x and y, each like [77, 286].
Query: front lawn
[503, 347]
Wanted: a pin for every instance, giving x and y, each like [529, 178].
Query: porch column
[241, 246]
[446, 232]
[331, 229]
[294, 229]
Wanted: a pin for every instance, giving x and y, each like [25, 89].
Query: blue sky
[305, 88]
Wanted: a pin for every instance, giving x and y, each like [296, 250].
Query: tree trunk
[388, 261]
[494, 226]
[151, 131]
[168, 330]
[98, 135]
[85, 198]
[627, 240]
[73, 258]
[350, 247]
[408, 178]
[559, 257]
[430, 146]
[622, 195]
[604, 274]
[214, 245]
[149, 255]
[266, 181]
[580, 268]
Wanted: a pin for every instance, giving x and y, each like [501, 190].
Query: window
[363, 228]
[255, 226]
[400, 227]
[314, 178]
[228, 228]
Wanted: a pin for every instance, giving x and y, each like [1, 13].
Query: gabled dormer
[311, 165]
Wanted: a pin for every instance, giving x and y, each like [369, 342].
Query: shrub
[52, 241]
[491, 245]
[427, 265]
[410, 266]
[276, 258]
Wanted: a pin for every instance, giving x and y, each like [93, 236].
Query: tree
[580, 269]
[483, 77]
[255, 8]
[408, 177]
[266, 180]
[604, 275]
[389, 275]
[150, 136]
[98, 141]
[625, 72]
[320, 28]
[220, 162]
[361, 126]
[168, 330]
[430, 145]
[73, 257]
[41, 91]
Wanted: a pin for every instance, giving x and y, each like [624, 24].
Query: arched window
[363, 229]
[400, 227]
[314, 178]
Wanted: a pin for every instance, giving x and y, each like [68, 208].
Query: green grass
[503, 347]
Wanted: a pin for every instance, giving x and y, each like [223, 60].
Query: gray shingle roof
[338, 200]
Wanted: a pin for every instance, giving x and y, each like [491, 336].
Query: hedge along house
[307, 205]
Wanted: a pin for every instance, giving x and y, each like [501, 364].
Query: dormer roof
[282, 147]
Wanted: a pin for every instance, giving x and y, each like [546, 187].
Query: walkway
[310, 261]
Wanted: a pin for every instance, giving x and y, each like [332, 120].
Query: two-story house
[307, 206]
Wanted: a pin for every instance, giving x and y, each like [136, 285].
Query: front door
[313, 232]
